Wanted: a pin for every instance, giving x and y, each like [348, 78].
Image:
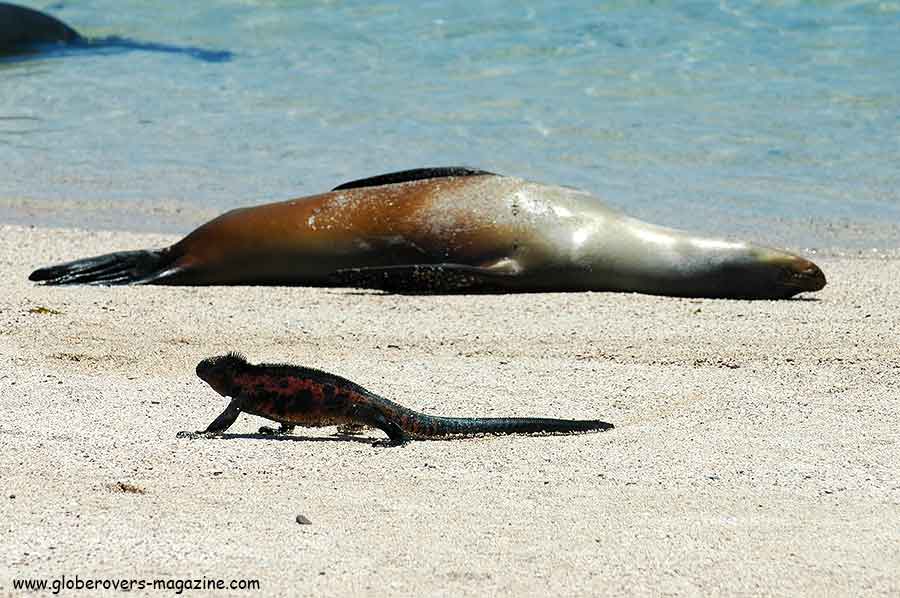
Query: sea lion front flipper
[424, 278]
[415, 174]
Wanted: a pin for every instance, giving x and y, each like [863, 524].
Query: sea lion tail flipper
[422, 278]
[122, 267]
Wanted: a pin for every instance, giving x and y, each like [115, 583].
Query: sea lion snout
[794, 274]
[805, 275]
[770, 274]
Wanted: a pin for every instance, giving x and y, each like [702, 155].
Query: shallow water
[777, 120]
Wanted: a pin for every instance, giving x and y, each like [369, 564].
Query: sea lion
[21, 27]
[446, 230]
[24, 31]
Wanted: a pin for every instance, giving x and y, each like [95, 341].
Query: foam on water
[778, 120]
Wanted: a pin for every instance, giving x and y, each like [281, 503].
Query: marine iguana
[294, 395]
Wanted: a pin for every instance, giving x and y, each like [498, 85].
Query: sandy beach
[756, 449]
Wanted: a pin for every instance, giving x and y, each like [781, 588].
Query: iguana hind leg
[350, 429]
[281, 431]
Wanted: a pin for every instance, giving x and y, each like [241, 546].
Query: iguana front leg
[220, 424]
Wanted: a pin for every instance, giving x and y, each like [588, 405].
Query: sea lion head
[798, 275]
[220, 372]
[773, 275]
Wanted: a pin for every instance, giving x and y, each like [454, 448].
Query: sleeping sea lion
[444, 230]
[24, 31]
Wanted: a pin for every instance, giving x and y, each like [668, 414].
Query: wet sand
[755, 452]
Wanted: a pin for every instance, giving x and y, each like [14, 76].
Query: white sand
[756, 449]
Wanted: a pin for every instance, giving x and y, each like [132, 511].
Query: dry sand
[756, 449]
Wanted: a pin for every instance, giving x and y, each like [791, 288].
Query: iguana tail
[432, 426]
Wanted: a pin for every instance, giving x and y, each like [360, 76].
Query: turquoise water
[778, 120]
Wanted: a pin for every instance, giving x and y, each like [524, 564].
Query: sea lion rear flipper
[122, 267]
[423, 278]
[416, 174]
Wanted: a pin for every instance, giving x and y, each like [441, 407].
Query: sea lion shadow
[357, 292]
[362, 292]
[115, 44]
[432, 293]
[788, 299]
[110, 45]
